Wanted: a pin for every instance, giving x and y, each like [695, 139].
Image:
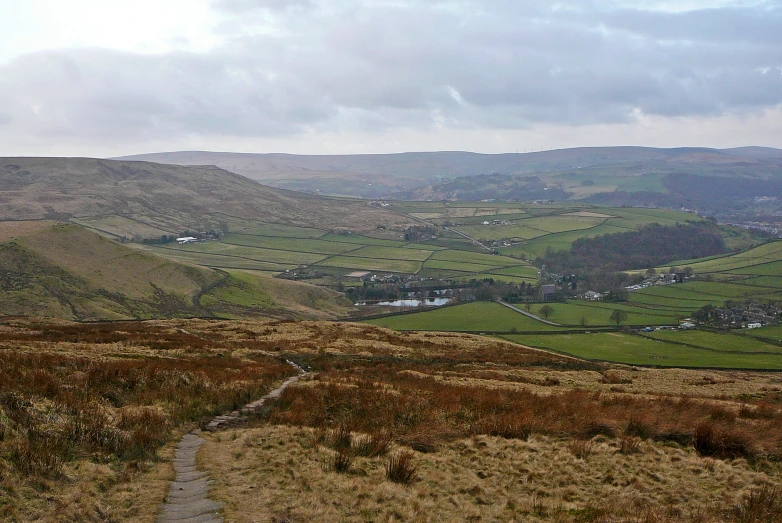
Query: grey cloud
[353, 66]
[760, 25]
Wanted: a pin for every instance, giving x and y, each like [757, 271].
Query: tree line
[601, 257]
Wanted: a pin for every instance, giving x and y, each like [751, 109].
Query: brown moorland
[148, 199]
[497, 431]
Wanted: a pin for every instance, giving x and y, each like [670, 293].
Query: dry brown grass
[280, 475]
[401, 468]
[379, 397]
[11, 230]
[498, 432]
[75, 424]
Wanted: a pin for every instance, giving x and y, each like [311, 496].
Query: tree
[618, 316]
[583, 321]
[546, 311]
[650, 272]
[703, 315]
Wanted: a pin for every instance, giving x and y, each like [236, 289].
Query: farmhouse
[593, 296]
[548, 292]
[675, 277]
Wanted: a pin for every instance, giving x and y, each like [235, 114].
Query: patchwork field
[539, 226]
[529, 228]
[276, 248]
[754, 274]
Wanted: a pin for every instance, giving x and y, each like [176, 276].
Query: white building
[593, 296]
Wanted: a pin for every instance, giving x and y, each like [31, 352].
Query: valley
[516, 396]
[737, 185]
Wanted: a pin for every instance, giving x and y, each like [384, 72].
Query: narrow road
[529, 314]
[476, 242]
[188, 497]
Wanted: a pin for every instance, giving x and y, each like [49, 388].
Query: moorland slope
[54, 269]
[148, 200]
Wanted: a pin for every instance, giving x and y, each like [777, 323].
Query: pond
[428, 302]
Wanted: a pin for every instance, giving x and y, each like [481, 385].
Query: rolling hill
[146, 200]
[54, 269]
[410, 175]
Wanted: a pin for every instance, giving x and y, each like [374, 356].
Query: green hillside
[64, 270]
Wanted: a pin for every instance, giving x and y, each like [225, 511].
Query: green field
[279, 248]
[470, 317]
[749, 275]
[717, 341]
[771, 333]
[554, 226]
[487, 316]
[598, 313]
[754, 274]
[637, 350]
[391, 253]
[763, 260]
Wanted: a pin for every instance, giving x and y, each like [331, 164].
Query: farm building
[548, 292]
[593, 296]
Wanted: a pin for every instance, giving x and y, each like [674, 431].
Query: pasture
[277, 248]
[633, 349]
[722, 342]
[469, 317]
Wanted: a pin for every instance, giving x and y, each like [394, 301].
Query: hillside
[383, 174]
[147, 200]
[63, 270]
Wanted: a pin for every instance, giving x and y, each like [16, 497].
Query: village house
[593, 296]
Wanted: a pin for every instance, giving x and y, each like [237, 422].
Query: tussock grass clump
[614, 378]
[581, 449]
[371, 445]
[401, 468]
[630, 445]
[762, 411]
[723, 442]
[639, 427]
[508, 427]
[339, 438]
[340, 462]
[763, 505]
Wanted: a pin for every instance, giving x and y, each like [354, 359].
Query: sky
[108, 78]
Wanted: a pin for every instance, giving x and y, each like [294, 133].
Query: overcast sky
[104, 78]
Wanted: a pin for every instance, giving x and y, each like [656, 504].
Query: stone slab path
[188, 497]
